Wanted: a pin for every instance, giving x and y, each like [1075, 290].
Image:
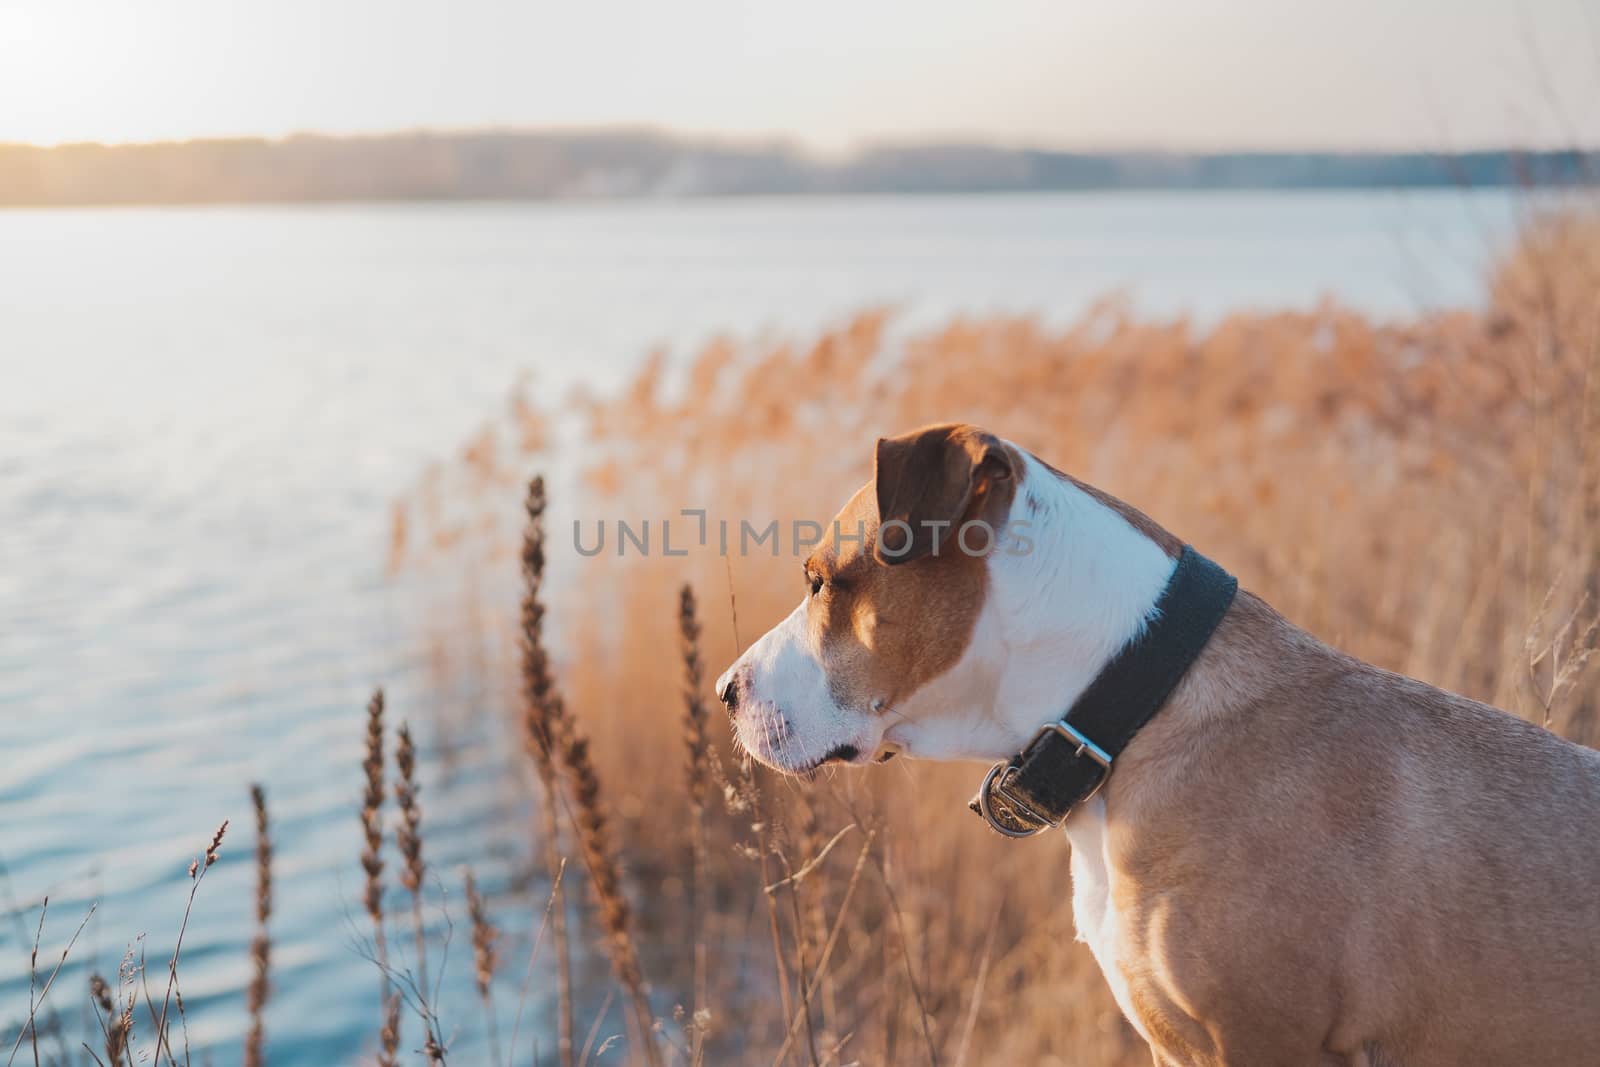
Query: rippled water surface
[204, 414]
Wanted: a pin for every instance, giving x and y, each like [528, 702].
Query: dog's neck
[1056, 611]
[1063, 609]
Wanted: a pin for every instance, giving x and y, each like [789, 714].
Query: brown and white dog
[1301, 859]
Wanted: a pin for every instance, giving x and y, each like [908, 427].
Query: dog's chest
[1093, 909]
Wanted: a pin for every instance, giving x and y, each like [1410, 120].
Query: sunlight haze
[1247, 74]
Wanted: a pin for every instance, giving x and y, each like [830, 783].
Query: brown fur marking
[887, 629]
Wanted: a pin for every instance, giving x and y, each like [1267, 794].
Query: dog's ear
[929, 482]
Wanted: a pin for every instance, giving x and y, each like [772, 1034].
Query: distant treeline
[615, 164]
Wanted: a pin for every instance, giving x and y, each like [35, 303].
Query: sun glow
[1243, 73]
[72, 72]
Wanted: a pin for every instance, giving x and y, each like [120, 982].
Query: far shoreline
[619, 166]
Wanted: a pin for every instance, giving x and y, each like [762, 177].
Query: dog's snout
[729, 694]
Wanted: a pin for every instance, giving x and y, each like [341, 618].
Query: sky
[829, 74]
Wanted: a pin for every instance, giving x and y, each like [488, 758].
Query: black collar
[1071, 758]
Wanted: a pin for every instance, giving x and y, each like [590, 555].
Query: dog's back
[1494, 832]
[1312, 844]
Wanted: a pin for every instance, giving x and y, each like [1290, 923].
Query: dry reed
[183, 1020]
[413, 873]
[809, 885]
[261, 946]
[484, 958]
[125, 976]
[372, 767]
[31, 1029]
[38, 996]
[389, 1030]
[697, 777]
[605, 882]
[197, 873]
[544, 723]
[552, 737]
[408, 838]
[110, 1019]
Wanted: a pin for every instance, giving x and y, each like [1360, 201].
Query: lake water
[204, 414]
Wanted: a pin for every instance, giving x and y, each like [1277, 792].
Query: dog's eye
[815, 582]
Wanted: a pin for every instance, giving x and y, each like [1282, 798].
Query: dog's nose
[730, 693]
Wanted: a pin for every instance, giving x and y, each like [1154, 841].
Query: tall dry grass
[113, 1011]
[1424, 493]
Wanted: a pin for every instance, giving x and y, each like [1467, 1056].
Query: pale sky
[1424, 74]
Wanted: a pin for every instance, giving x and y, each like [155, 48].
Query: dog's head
[956, 602]
[893, 594]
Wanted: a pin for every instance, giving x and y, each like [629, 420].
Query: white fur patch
[1092, 910]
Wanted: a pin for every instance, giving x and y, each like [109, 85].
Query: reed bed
[1424, 493]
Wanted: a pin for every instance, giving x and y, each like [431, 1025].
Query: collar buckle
[1086, 747]
[1009, 814]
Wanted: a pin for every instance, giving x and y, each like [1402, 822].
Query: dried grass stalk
[389, 1033]
[698, 754]
[544, 716]
[110, 1019]
[408, 838]
[261, 946]
[413, 872]
[605, 880]
[485, 958]
[553, 738]
[29, 1029]
[372, 865]
[197, 873]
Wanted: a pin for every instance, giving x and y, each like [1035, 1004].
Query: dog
[1297, 859]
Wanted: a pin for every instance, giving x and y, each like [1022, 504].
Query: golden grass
[1424, 493]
